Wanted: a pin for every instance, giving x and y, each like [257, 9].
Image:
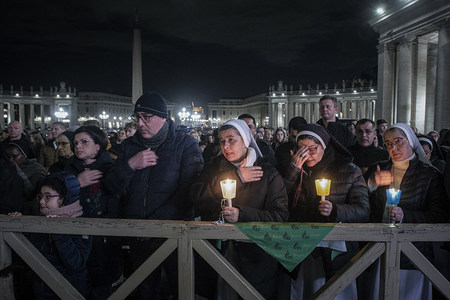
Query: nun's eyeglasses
[397, 142]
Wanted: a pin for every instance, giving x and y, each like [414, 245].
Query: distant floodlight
[380, 11]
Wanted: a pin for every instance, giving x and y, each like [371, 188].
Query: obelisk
[137, 63]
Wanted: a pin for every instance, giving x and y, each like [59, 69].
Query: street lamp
[61, 114]
[103, 116]
[183, 114]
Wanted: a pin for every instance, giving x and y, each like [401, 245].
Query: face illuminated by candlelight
[232, 145]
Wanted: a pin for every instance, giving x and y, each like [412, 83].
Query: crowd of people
[154, 169]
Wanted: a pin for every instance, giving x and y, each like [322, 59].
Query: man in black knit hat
[155, 169]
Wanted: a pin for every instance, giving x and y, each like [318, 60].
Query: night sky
[191, 50]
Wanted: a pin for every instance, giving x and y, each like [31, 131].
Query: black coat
[422, 200]
[160, 192]
[364, 157]
[348, 193]
[259, 201]
[340, 132]
[68, 254]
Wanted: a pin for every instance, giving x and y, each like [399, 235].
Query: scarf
[155, 141]
[73, 210]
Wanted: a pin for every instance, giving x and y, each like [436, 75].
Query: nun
[260, 197]
[422, 199]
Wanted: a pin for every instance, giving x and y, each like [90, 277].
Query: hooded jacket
[67, 253]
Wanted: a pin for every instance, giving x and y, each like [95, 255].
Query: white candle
[228, 187]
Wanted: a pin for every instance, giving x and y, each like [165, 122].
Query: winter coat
[96, 201]
[260, 201]
[159, 192]
[61, 164]
[364, 157]
[422, 200]
[48, 155]
[68, 254]
[104, 263]
[10, 189]
[340, 132]
[348, 194]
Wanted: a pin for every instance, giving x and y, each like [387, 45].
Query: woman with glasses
[319, 156]
[90, 164]
[65, 150]
[422, 199]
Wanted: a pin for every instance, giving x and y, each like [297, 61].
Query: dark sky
[191, 50]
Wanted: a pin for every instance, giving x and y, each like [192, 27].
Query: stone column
[290, 111]
[271, 115]
[32, 122]
[431, 88]
[308, 112]
[22, 115]
[418, 114]
[405, 76]
[316, 112]
[442, 111]
[42, 125]
[385, 93]
[2, 119]
[344, 110]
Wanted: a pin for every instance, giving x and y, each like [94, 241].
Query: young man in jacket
[155, 169]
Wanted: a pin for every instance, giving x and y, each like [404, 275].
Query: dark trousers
[150, 288]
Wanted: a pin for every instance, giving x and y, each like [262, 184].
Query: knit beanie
[152, 103]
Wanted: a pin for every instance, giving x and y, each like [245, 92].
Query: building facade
[37, 108]
[276, 107]
[414, 63]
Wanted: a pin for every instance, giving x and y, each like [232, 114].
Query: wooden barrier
[384, 240]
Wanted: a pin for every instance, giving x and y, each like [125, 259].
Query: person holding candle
[260, 197]
[422, 199]
[321, 156]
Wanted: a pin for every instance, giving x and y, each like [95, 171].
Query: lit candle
[323, 188]
[228, 187]
[393, 196]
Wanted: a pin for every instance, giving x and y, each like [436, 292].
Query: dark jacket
[159, 192]
[340, 132]
[364, 157]
[423, 199]
[104, 262]
[10, 189]
[48, 155]
[68, 254]
[259, 201]
[96, 201]
[348, 193]
[61, 164]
